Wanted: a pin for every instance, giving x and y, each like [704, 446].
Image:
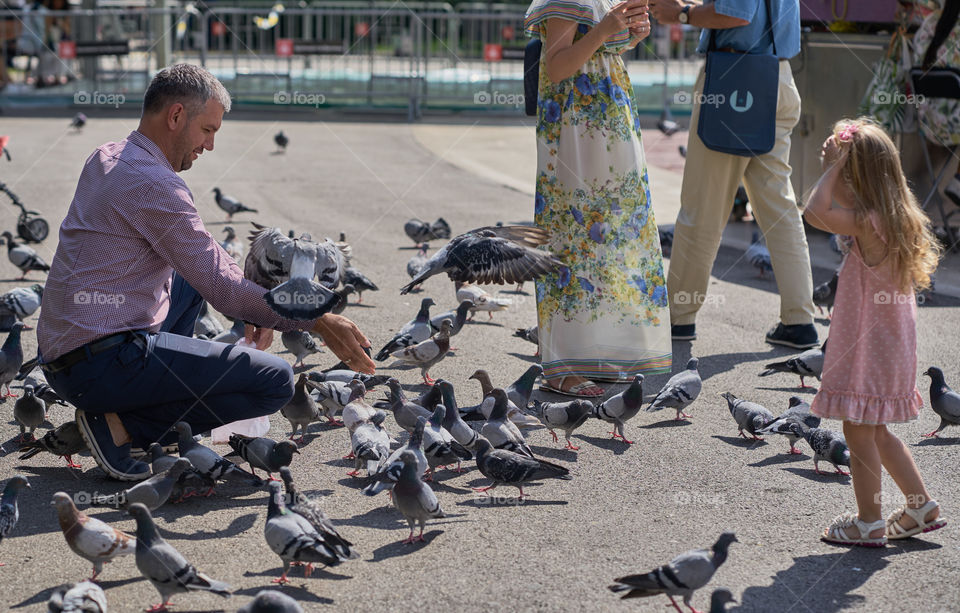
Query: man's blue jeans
[174, 377]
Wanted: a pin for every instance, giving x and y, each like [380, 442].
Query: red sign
[508, 32]
[492, 52]
[67, 50]
[676, 33]
[361, 29]
[283, 47]
[218, 28]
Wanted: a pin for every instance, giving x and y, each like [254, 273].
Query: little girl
[869, 371]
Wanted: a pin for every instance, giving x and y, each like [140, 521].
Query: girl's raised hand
[832, 152]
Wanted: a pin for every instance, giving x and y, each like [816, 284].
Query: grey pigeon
[281, 140]
[825, 293]
[164, 566]
[64, 440]
[331, 396]
[389, 470]
[357, 411]
[461, 432]
[287, 267]
[518, 396]
[11, 357]
[231, 336]
[749, 416]
[191, 483]
[30, 412]
[457, 317]
[827, 445]
[500, 431]
[293, 538]
[369, 443]
[417, 262]
[343, 292]
[231, 244]
[9, 509]
[83, 597]
[428, 353]
[419, 231]
[414, 498]
[263, 453]
[506, 254]
[79, 120]
[309, 509]
[621, 408]
[806, 364]
[404, 411]
[360, 282]
[505, 467]
[302, 409]
[20, 303]
[271, 601]
[439, 445]
[206, 461]
[301, 344]
[23, 257]
[945, 401]
[798, 412]
[567, 416]
[531, 334]
[207, 326]
[414, 331]
[758, 255]
[685, 574]
[153, 493]
[481, 299]
[88, 537]
[719, 600]
[679, 391]
[229, 205]
[665, 231]
[346, 376]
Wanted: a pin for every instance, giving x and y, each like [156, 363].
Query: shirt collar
[141, 140]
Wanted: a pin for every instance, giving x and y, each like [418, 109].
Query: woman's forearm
[564, 63]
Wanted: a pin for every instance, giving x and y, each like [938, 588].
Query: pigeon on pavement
[369, 444]
[461, 432]
[9, 509]
[11, 358]
[621, 408]
[439, 445]
[500, 431]
[232, 245]
[79, 120]
[331, 397]
[414, 498]
[302, 409]
[191, 483]
[90, 538]
[749, 416]
[567, 416]
[206, 461]
[231, 336]
[346, 376]
[416, 263]
[531, 334]
[481, 299]
[798, 412]
[281, 140]
[419, 231]
[457, 317]
[23, 257]
[806, 364]
[827, 445]
[230, 206]
[413, 332]
[309, 509]
[518, 395]
[19, 303]
[679, 391]
[271, 601]
[404, 411]
[152, 493]
[263, 453]
[825, 293]
[30, 412]
[64, 440]
[945, 401]
[357, 411]
[428, 353]
[505, 467]
[758, 255]
[360, 282]
[207, 326]
[83, 597]
[300, 344]
[389, 470]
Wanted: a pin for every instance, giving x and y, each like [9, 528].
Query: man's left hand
[666, 11]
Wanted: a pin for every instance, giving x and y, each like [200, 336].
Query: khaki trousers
[710, 181]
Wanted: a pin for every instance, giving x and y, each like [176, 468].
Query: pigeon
[232, 245]
[83, 597]
[458, 429]
[230, 206]
[679, 391]
[500, 431]
[207, 326]
[505, 467]
[152, 493]
[332, 397]
[344, 247]
[234, 334]
[360, 282]
[758, 255]
[666, 124]
[281, 140]
[531, 334]
[945, 401]
[429, 399]
[515, 397]
[414, 498]
[420, 231]
[271, 601]
[206, 461]
[389, 470]
[428, 353]
[300, 344]
[343, 292]
[684, 575]
[827, 445]
[90, 538]
[749, 416]
[356, 411]
[23, 257]
[414, 331]
[164, 566]
[719, 600]
[404, 412]
[806, 364]
[30, 412]
[506, 254]
[9, 510]
[482, 301]
[302, 409]
[191, 483]
[620, 409]
[11, 358]
[825, 293]
[457, 317]
[439, 446]
[263, 453]
[64, 440]
[346, 376]
[293, 538]
[310, 510]
[798, 412]
[520, 390]
[20, 303]
[369, 444]
[79, 120]
[665, 233]
[417, 262]
[568, 416]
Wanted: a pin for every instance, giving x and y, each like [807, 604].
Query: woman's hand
[626, 15]
[346, 341]
[640, 27]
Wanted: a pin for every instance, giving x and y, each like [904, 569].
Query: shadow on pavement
[738, 441]
[936, 442]
[398, 548]
[781, 458]
[294, 591]
[821, 478]
[668, 423]
[617, 446]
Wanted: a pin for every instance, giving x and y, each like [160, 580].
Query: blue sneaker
[113, 459]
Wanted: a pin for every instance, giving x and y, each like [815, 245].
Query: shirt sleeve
[169, 221]
[741, 9]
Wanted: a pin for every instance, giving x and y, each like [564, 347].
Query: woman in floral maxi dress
[604, 317]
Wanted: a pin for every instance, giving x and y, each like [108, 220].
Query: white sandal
[837, 531]
[895, 531]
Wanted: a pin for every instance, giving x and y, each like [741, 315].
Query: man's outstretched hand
[346, 341]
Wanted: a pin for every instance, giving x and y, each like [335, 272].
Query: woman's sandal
[577, 391]
[837, 531]
[896, 531]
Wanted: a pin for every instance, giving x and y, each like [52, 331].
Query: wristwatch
[684, 16]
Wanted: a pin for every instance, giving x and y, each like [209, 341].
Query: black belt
[732, 50]
[87, 351]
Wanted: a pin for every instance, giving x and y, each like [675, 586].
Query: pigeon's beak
[296, 451]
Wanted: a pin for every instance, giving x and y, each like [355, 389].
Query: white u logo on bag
[738, 108]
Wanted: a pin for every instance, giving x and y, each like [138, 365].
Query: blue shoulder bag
[738, 110]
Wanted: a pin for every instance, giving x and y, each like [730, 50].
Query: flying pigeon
[281, 140]
[945, 401]
[799, 413]
[567, 416]
[360, 282]
[679, 391]
[263, 453]
[414, 498]
[481, 299]
[420, 231]
[23, 257]
[499, 430]
[152, 493]
[232, 245]
[83, 597]
[369, 444]
[825, 293]
[417, 262]
[439, 446]
[749, 416]
[827, 445]
[684, 575]
[414, 331]
[64, 440]
[621, 408]
[302, 409]
[508, 468]
[806, 364]
[19, 303]
[507, 254]
[30, 412]
[309, 509]
[90, 538]
[79, 120]
[230, 206]
[758, 255]
[11, 358]
[428, 353]
[300, 344]
[164, 566]
[271, 601]
[9, 510]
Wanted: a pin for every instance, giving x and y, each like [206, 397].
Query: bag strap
[712, 45]
[946, 23]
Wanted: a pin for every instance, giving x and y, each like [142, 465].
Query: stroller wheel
[34, 230]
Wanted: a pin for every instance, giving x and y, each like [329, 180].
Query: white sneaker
[953, 189]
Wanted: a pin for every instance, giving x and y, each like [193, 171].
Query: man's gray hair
[190, 85]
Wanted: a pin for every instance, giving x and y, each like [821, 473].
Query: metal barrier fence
[415, 55]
